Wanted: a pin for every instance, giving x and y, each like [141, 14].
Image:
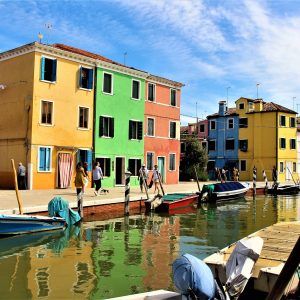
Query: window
[106, 126]
[230, 123]
[151, 91]
[44, 159]
[202, 128]
[105, 165]
[150, 158]
[134, 166]
[173, 130]
[150, 130]
[282, 121]
[107, 83]
[47, 112]
[212, 145]
[281, 168]
[173, 97]
[241, 106]
[182, 147]
[243, 145]
[243, 165]
[86, 78]
[48, 69]
[135, 130]
[293, 144]
[282, 143]
[204, 144]
[243, 123]
[83, 117]
[292, 122]
[212, 125]
[250, 105]
[135, 89]
[172, 162]
[294, 167]
[229, 145]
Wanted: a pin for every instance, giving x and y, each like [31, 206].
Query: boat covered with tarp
[223, 191]
[170, 201]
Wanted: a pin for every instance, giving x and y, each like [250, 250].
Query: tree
[195, 157]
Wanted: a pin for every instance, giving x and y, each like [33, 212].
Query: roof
[231, 111]
[271, 106]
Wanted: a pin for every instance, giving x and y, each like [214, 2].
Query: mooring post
[127, 192]
[266, 180]
[254, 181]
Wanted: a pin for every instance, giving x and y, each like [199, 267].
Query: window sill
[135, 99]
[106, 137]
[46, 125]
[85, 89]
[47, 81]
[109, 94]
[83, 129]
[39, 171]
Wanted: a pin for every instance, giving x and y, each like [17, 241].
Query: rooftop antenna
[125, 54]
[227, 96]
[257, 85]
[49, 28]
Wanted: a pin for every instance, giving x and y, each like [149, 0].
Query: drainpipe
[94, 113]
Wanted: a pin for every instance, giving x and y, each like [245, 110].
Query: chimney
[222, 108]
[258, 105]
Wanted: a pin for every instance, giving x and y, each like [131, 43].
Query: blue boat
[20, 224]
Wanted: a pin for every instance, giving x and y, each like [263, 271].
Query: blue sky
[208, 45]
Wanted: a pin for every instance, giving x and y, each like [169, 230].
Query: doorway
[161, 167]
[120, 170]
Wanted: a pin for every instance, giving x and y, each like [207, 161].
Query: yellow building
[267, 138]
[46, 116]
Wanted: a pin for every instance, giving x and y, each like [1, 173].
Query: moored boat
[170, 201]
[21, 224]
[223, 191]
[286, 189]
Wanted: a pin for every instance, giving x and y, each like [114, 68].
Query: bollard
[127, 192]
[266, 180]
[254, 181]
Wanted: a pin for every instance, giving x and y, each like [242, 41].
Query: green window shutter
[140, 130]
[130, 129]
[111, 127]
[54, 65]
[101, 124]
[42, 68]
[90, 79]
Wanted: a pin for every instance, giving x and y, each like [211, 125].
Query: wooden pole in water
[254, 181]
[127, 192]
[266, 180]
[16, 187]
[160, 183]
[286, 274]
[197, 179]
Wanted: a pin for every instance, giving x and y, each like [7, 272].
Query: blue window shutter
[47, 158]
[42, 68]
[42, 159]
[90, 79]
[54, 65]
[89, 160]
[80, 77]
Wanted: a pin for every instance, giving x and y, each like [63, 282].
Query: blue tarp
[60, 207]
[228, 186]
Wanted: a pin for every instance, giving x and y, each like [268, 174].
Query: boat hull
[284, 190]
[21, 224]
[175, 203]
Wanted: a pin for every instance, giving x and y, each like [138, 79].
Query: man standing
[21, 177]
[143, 177]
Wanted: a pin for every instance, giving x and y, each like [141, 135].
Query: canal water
[117, 257]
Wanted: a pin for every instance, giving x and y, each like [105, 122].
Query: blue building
[223, 137]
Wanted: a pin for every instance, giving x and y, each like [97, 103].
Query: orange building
[162, 127]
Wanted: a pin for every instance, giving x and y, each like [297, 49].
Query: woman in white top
[97, 176]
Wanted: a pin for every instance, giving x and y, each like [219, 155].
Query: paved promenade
[37, 200]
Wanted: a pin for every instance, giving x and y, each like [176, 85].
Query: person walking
[156, 179]
[86, 176]
[21, 177]
[143, 177]
[97, 177]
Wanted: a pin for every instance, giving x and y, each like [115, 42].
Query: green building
[119, 122]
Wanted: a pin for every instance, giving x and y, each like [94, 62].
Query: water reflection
[103, 259]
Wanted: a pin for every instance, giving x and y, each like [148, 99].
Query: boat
[169, 202]
[286, 189]
[223, 191]
[21, 224]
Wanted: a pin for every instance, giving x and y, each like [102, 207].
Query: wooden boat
[170, 201]
[223, 191]
[278, 243]
[287, 189]
[20, 224]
